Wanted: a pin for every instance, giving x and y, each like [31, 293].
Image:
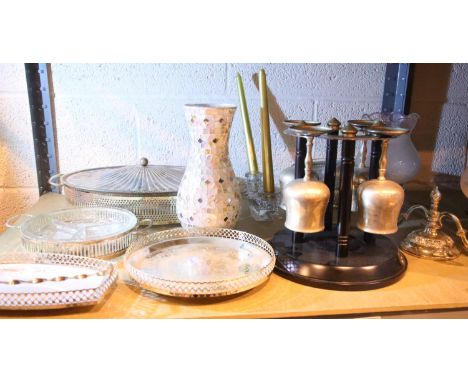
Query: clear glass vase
[403, 158]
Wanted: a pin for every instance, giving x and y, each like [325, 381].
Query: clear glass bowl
[90, 232]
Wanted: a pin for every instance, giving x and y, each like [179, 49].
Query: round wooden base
[312, 261]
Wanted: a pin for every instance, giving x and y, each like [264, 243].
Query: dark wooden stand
[340, 257]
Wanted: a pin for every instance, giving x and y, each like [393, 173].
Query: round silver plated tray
[361, 124]
[149, 191]
[198, 262]
[298, 128]
[300, 122]
[91, 232]
[387, 131]
[53, 281]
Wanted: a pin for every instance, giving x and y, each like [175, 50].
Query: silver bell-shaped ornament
[306, 200]
[380, 201]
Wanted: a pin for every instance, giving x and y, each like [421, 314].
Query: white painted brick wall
[452, 137]
[114, 114]
[111, 114]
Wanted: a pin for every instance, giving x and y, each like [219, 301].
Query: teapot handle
[52, 181]
[147, 222]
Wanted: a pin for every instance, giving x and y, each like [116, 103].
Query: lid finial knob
[144, 162]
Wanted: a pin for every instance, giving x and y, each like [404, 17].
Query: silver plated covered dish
[149, 191]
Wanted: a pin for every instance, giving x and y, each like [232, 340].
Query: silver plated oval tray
[31, 281]
[91, 232]
[198, 262]
[149, 191]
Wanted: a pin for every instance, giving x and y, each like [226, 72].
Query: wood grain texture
[427, 286]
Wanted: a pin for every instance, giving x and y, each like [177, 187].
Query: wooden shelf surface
[428, 286]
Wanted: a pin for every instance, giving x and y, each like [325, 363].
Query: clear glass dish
[52, 281]
[91, 232]
[199, 262]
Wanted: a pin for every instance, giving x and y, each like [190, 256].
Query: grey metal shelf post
[41, 108]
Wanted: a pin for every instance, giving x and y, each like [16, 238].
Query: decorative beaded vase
[209, 194]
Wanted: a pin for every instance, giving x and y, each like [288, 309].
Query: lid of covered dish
[141, 179]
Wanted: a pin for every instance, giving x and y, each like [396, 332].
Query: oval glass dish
[91, 232]
[199, 262]
[53, 281]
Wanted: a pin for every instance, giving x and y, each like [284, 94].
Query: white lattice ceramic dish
[31, 281]
[199, 262]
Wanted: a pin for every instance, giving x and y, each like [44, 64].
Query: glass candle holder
[253, 184]
[265, 206]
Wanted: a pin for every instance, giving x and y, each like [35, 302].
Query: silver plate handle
[12, 222]
[148, 223]
[52, 181]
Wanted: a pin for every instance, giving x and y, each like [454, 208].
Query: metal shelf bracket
[43, 129]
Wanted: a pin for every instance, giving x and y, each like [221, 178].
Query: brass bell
[306, 200]
[380, 201]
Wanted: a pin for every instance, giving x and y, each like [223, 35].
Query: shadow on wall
[278, 117]
[429, 94]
